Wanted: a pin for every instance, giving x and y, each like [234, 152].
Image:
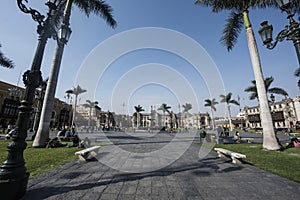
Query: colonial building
[157, 120]
[237, 122]
[284, 113]
[10, 99]
[86, 116]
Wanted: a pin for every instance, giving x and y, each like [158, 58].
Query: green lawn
[285, 163]
[41, 160]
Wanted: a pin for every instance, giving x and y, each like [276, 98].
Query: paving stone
[189, 177]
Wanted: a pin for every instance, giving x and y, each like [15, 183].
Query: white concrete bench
[88, 153]
[235, 157]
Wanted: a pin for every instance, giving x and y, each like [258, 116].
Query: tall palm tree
[165, 108]
[98, 7]
[212, 104]
[137, 114]
[238, 17]
[187, 107]
[227, 99]
[268, 81]
[5, 62]
[75, 91]
[89, 104]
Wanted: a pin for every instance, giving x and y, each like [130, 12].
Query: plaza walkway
[158, 166]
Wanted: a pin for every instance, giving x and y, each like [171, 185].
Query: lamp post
[290, 32]
[39, 96]
[13, 175]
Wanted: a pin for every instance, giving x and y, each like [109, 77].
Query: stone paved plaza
[158, 166]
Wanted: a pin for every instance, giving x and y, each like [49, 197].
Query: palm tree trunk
[138, 120]
[213, 119]
[43, 130]
[229, 117]
[269, 139]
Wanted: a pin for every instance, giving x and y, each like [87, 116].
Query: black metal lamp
[291, 32]
[266, 32]
[13, 173]
[64, 33]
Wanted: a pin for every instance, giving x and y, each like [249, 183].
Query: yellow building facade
[10, 99]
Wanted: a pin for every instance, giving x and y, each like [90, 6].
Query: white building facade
[284, 113]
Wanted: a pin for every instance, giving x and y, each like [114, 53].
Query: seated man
[237, 137]
[55, 143]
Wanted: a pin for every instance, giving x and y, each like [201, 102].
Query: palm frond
[295, 6]
[234, 102]
[268, 82]
[251, 89]
[70, 91]
[253, 96]
[218, 6]
[297, 72]
[98, 7]
[84, 6]
[232, 29]
[276, 90]
[138, 108]
[89, 102]
[211, 103]
[5, 62]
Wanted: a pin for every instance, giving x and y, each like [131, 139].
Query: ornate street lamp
[13, 175]
[290, 32]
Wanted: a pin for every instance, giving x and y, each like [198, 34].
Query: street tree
[137, 114]
[90, 104]
[187, 107]
[227, 99]
[164, 108]
[88, 7]
[238, 17]
[212, 104]
[268, 81]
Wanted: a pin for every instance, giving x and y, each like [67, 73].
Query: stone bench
[88, 153]
[235, 157]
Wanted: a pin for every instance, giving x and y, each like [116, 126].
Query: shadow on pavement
[202, 168]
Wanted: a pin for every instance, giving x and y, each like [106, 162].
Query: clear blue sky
[19, 39]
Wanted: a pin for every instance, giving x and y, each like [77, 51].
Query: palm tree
[240, 15]
[75, 91]
[187, 107]
[227, 99]
[98, 7]
[165, 108]
[212, 104]
[268, 81]
[5, 62]
[89, 104]
[137, 114]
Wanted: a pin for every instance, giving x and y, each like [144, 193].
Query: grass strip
[283, 163]
[41, 160]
